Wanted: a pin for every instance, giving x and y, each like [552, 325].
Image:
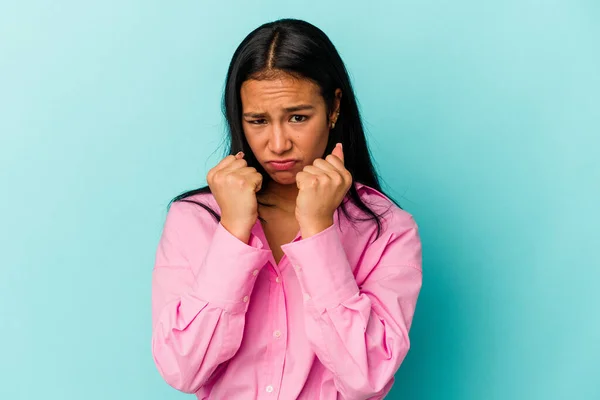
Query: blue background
[484, 121]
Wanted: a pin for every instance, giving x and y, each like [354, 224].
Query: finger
[303, 178]
[248, 170]
[250, 175]
[333, 168]
[313, 170]
[338, 151]
[236, 164]
[227, 165]
[337, 164]
[326, 165]
[258, 185]
[224, 163]
[227, 161]
[256, 180]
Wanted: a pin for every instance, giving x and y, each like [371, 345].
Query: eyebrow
[299, 107]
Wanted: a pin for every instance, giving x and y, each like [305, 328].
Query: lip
[282, 165]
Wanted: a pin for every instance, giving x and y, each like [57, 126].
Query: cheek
[312, 139]
[321, 135]
[254, 140]
[315, 132]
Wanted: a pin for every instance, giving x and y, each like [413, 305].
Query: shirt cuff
[229, 271]
[322, 268]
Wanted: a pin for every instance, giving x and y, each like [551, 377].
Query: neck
[282, 196]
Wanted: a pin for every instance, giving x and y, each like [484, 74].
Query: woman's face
[285, 119]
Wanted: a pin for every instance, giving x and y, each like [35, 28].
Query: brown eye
[257, 121]
[299, 118]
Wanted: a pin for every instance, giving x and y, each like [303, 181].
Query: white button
[255, 272]
[278, 280]
[296, 266]
[269, 389]
[245, 299]
[306, 296]
[277, 334]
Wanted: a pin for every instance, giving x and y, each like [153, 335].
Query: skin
[312, 190]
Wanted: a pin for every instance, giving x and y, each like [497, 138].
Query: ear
[337, 101]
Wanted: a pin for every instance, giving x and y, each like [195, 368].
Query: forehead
[278, 92]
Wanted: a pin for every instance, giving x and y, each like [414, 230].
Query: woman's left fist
[321, 188]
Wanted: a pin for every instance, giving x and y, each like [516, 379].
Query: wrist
[310, 228]
[240, 231]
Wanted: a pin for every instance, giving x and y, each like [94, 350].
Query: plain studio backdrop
[483, 120]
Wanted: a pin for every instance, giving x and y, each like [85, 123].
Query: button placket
[278, 342]
[273, 352]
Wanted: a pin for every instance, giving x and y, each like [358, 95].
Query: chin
[287, 178]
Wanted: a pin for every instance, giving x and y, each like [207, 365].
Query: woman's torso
[275, 359]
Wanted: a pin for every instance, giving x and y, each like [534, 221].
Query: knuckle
[230, 178]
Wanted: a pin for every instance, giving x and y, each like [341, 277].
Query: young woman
[291, 275]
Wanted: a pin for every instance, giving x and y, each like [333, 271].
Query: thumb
[338, 151]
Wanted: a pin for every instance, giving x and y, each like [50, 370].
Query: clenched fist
[234, 186]
[321, 188]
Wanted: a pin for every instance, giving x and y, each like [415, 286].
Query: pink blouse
[331, 321]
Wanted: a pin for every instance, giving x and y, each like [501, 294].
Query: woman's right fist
[234, 185]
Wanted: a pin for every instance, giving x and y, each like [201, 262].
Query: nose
[279, 142]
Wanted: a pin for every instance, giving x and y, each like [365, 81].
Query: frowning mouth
[282, 165]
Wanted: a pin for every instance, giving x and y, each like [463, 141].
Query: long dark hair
[300, 49]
